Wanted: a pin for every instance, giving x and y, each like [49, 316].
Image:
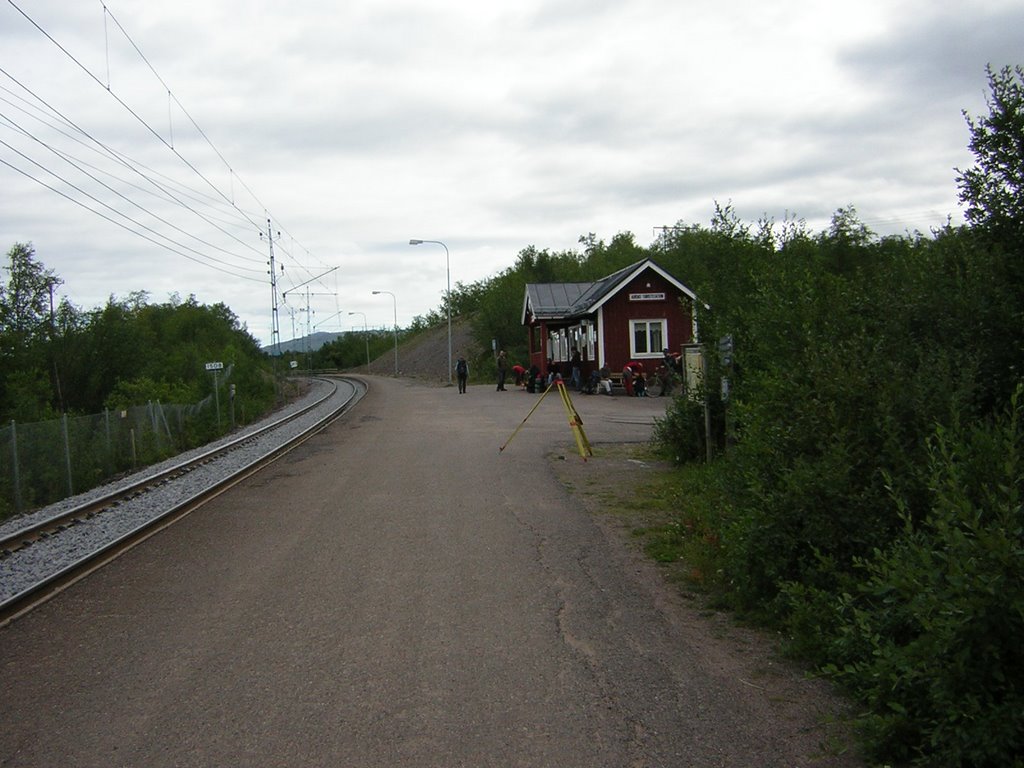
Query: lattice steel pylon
[275, 322]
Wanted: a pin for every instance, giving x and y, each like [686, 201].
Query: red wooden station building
[633, 314]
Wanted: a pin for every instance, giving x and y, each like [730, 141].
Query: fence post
[216, 398]
[67, 452]
[15, 475]
[155, 425]
[167, 427]
[110, 448]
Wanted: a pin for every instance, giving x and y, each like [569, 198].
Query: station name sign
[647, 296]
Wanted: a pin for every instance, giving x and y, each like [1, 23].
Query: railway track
[53, 549]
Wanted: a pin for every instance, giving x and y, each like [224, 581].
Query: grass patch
[662, 543]
[683, 510]
[673, 513]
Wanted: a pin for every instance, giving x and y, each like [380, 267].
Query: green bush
[932, 639]
[681, 435]
[891, 560]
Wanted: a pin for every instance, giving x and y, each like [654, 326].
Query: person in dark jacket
[502, 370]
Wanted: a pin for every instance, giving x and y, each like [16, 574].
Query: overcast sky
[489, 126]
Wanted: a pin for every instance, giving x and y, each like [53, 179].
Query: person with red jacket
[635, 375]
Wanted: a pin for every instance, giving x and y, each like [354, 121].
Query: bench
[616, 379]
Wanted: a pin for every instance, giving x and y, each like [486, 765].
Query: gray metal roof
[565, 300]
[554, 299]
[570, 300]
[598, 290]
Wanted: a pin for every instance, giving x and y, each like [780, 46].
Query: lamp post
[447, 297]
[395, 302]
[365, 338]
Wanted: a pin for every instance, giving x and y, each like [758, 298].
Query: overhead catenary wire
[199, 257]
[124, 104]
[181, 106]
[66, 128]
[74, 164]
[199, 130]
[120, 159]
[149, 175]
[120, 224]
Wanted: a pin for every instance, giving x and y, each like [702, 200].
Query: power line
[120, 101]
[80, 165]
[180, 105]
[108, 152]
[118, 157]
[131, 202]
[118, 223]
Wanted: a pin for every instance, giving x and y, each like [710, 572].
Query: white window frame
[653, 350]
[558, 345]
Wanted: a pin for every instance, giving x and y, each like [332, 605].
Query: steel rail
[26, 535]
[47, 587]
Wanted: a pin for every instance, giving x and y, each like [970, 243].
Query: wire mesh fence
[44, 462]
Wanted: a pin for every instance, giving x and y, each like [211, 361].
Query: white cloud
[490, 127]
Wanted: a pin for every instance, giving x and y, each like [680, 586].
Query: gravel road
[397, 592]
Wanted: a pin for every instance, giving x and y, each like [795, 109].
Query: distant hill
[309, 343]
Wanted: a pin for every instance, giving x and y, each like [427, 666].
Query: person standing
[667, 371]
[462, 374]
[502, 370]
[576, 368]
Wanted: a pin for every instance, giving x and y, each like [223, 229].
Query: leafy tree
[350, 349]
[466, 298]
[835, 518]
[498, 314]
[61, 359]
[111, 348]
[27, 298]
[993, 190]
[717, 263]
[601, 259]
[143, 389]
[844, 245]
[28, 393]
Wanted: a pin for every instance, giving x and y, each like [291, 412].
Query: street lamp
[447, 298]
[395, 301]
[365, 338]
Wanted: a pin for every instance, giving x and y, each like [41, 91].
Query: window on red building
[647, 337]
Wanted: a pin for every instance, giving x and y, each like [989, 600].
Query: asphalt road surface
[397, 592]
